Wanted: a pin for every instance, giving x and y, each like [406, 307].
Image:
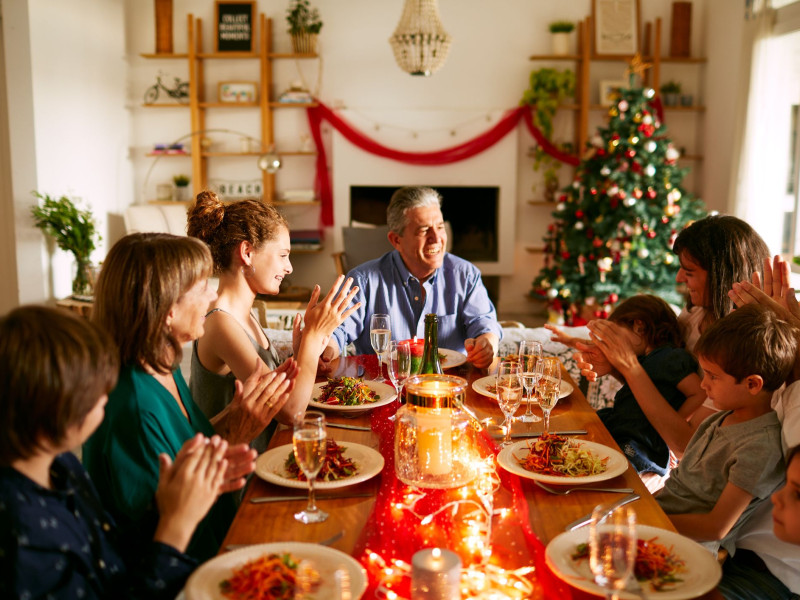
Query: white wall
[68, 127]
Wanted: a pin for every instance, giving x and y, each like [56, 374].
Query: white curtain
[760, 174]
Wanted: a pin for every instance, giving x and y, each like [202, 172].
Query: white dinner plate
[386, 392]
[702, 571]
[452, 358]
[270, 467]
[485, 386]
[616, 465]
[204, 582]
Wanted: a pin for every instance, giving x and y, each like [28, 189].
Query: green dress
[143, 420]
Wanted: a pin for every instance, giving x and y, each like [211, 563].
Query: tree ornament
[629, 201]
[552, 293]
[650, 146]
[651, 234]
[565, 293]
[633, 140]
[613, 112]
[630, 153]
[579, 225]
[597, 243]
[674, 195]
[622, 105]
[560, 207]
[637, 118]
[649, 170]
[643, 253]
[647, 119]
[651, 193]
[605, 171]
[649, 92]
[669, 259]
[637, 193]
[672, 154]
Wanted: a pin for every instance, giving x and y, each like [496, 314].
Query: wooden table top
[549, 513]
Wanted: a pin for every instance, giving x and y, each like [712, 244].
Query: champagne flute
[529, 354]
[399, 365]
[612, 548]
[549, 388]
[509, 394]
[380, 333]
[310, 448]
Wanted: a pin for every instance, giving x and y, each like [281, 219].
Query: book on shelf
[305, 236]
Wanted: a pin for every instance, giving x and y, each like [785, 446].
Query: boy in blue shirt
[734, 459]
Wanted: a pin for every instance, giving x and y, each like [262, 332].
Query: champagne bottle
[430, 353]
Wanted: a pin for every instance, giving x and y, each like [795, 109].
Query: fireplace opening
[471, 211]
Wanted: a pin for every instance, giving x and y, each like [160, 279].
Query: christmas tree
[614, 227]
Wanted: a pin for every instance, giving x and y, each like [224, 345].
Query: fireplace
[471, 211]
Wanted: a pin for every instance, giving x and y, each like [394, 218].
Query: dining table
[358, 518]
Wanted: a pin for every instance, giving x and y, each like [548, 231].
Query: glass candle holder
[433, 445]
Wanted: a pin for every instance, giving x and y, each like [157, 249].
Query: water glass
[310, 444]
[380, 334]
[549, 388]
[509, 394]
[612, 548]
[399, 365]
[529, 354]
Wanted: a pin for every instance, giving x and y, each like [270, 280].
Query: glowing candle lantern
[433, 441]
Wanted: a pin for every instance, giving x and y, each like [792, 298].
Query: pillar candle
[435, 575]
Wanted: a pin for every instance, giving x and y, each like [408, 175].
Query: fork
[547, 488]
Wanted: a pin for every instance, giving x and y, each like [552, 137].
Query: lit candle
[434, 432]
[435, 575]
[417, 347]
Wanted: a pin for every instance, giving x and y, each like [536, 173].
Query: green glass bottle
[430, 353]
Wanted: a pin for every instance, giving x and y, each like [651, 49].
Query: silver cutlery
[531, 434]
[586, 519]
[346, 426]
[567, 491]
[264, 499]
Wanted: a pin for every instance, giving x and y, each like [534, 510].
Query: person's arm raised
[669, 424]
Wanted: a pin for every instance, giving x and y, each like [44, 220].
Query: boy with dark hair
[734, 460]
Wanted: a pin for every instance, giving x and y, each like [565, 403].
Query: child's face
[78, 434]
[271, 264]
[786, 506]
[694, 277]
[722, 388]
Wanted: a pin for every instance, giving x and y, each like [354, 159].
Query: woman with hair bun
[249, 243]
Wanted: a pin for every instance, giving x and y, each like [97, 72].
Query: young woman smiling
[249, 242]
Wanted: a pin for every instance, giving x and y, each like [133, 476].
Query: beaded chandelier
[420, 43]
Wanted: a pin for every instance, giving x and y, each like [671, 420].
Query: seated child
[56, 370]
[734, 460]
[654, 334]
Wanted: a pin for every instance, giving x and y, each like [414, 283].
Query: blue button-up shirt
[455, 292]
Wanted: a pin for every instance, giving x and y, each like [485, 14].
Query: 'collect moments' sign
[234, 25]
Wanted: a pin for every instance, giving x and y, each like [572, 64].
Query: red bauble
[637, 168]
[622, 194]
[613, 202]
[612, 298]
[651, 234]
[597, 243]
[593, 191]
[592, 256]
[579, 214]
[651, 193]
[637, 193]
[630, 153]
[562, 198]
[565, 255]
[665, 219]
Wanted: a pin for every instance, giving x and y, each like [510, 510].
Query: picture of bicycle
[180, 92]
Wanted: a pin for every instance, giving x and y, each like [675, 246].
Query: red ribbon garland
[468, 149]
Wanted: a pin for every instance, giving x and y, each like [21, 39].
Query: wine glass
[529, 354]
[310, 447]
[612, 547]
[380, 333]
[509, 394]
[398, 364]
[549, 388]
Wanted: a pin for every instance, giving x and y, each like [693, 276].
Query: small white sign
[240, 189]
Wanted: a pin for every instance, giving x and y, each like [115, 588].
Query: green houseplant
[671, 91]
[560, 31]
[304, 26]
[73, 230]
[561, 27]
[181, 187]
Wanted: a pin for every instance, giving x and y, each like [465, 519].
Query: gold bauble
[565, 293]
[669, 259]
[560, 281]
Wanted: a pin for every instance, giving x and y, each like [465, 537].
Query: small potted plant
[181, 188]
[73, 230]
[548, 88]
[560, 39]
[304, 26]
[671, 92]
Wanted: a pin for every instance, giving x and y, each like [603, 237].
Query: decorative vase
[560, 42]
[83, 282]
[182, 193]
[304, 43]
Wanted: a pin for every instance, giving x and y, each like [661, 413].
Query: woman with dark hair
[249, 242]
[151, 296]
[57, 541]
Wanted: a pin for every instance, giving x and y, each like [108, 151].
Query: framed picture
[234, 25]
[238, 91]
[617, 26]
[608, 90]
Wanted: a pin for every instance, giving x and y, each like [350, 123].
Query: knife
[262, 499]
[586, 519]
[532, 434]
[346, 426]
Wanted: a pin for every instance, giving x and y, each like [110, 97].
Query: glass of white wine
[509, 394]
[380, 333]
[310, 448]
[549, 388]
[529, 354]
[612, 548]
